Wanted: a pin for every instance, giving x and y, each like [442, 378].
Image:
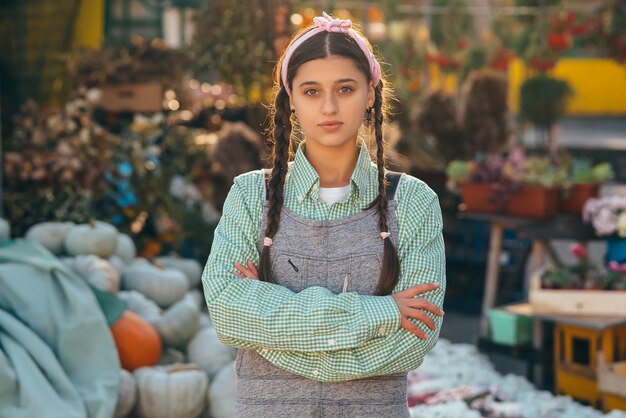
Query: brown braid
[280, 155]
[390, 271]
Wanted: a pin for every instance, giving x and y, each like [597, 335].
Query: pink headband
[327, 23]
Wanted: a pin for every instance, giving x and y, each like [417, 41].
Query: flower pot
[480, 197]
[534, 201]
[573, 200]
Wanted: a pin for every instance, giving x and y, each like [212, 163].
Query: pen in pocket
[345, 284]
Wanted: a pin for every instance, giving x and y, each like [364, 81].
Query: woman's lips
[330, 126]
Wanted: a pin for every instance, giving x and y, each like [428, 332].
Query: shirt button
[381, 330]
[264, 350]
[315, 372]
[331, 342]
[301, 197]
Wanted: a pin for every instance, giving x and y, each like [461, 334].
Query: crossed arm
[294, 330]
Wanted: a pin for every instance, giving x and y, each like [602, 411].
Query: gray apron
[343, 254]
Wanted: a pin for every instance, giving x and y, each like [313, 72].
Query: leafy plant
[543, 100]
[584, 274]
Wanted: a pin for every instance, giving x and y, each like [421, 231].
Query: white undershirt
[332, 195]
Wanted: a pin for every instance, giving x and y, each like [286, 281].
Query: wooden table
[540, 232]
[598, 324]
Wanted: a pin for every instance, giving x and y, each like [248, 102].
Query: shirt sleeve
[422, 258]
[250, 313]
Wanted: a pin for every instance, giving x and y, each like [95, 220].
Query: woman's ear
[371, 96]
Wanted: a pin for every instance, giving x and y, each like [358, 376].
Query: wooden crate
[575, 302]
[612, 384]
[140, 97]
[579, 354]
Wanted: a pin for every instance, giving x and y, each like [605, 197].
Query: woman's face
[330, 96]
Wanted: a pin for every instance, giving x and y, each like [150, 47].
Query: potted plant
[516, 184]
[581, 288]
[481, 183]
[542, 102]
[583, 183]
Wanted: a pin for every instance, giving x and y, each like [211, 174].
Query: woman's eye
[345, 89]
[310, 92]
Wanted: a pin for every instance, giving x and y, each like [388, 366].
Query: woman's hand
[412, 307]
[246, 273]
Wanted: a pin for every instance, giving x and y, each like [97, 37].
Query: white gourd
[172, 356]
[5, 230]
[222, 392]
[163, 286]
[125, 248]
[179, 323]
[118, 264]
[191, 268]
[127, 394]
[96, 237]
[95, 270]
[205, 320]
[206, 350]
[50, 234]
[141, 305]
[175, 391]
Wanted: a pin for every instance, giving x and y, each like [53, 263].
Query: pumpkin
[206, 350]
[223, 391]
[191, 268]
[174, 391]
[117, 263]
[125, 248]
[172, 356]
[127, 394]
[98, 238]
[95, 270]
[51, 235]
[164, 286]
[179, 323]
[138, 344]
[5, 230]
[141, 305]
[205, 320]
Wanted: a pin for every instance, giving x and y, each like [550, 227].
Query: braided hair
[320, 46]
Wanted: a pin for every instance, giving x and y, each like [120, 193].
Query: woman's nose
[330, 104]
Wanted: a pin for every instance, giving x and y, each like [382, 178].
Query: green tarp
[57, 355]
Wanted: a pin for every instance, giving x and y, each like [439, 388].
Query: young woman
[350, 282]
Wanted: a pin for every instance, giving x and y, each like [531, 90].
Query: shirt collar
[304, 180]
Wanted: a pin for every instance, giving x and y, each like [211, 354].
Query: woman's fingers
[421, 316]
[419, 289]
[412, 328]
[253, 268]
[246, 273]
[417, 303]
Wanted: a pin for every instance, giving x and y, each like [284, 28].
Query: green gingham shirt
[347, 335]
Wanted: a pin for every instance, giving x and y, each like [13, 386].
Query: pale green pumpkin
[97, 238]
[175, 391]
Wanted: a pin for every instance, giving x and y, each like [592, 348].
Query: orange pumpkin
[138, 343]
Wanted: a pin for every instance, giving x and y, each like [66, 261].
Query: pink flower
[617, 267]
[578, 251]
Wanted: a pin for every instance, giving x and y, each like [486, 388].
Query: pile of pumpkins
[173, 364]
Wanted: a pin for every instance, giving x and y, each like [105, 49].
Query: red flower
[559, 41]
[579, 251]
[570, 18]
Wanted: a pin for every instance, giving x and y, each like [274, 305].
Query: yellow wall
[89, 29]
[599, 85]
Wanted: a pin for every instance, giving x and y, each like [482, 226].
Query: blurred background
[138, 114]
